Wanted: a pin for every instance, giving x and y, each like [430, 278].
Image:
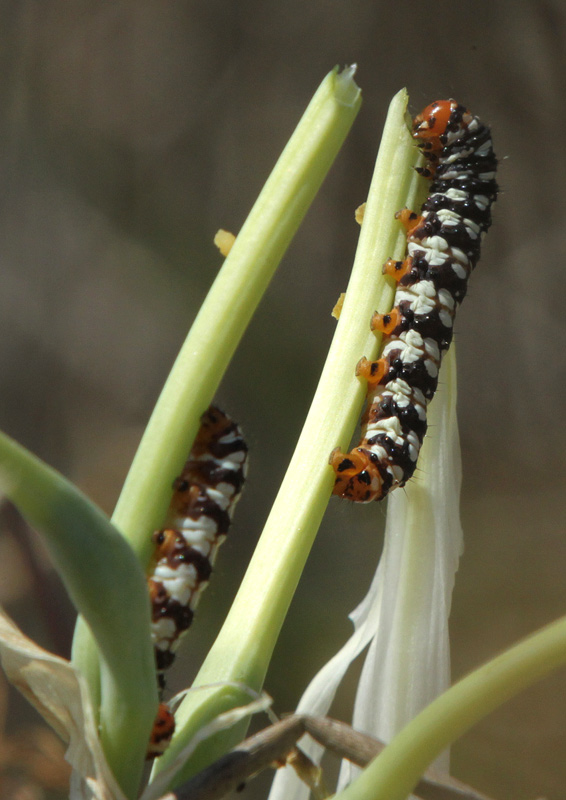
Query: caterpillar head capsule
[357, 477]
[433, 121]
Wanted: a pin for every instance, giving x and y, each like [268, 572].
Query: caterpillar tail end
[162, 733]
[357, 477]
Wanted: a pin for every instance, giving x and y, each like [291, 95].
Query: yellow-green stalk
[395, 772]
[219, 327]
[245, 644]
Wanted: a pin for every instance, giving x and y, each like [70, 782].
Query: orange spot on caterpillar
[397, 269]
[372, 371]
[408, 219]
[386, 323]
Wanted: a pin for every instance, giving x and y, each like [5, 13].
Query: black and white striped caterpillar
[443, 245]
[199, 517]
[204, 496]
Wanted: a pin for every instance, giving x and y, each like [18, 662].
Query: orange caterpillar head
[432, 122]
[357, 477]
[430, 128]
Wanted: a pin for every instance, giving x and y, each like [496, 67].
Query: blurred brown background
[132, 131]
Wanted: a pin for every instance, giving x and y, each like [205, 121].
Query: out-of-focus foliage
[131, 132]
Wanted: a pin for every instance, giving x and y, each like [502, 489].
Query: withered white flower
[59, 693]
[404, 616]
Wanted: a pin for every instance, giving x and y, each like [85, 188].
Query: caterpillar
[443, 247]
[204, 496]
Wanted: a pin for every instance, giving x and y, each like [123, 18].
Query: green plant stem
[222, 321]
[229, 306]
[106, 584]
[244, 646]
[395, 772]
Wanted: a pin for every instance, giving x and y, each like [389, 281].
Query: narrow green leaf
[245, 644]
[230, 304]
[221, 322]
[106, 584]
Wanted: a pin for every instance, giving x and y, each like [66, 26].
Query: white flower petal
[319, 694]
[408, 662]
[405, 612]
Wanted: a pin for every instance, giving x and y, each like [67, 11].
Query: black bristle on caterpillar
[443, 245]
[204, 497]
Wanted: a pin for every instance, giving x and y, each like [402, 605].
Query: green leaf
[107, 585]
[244, 646]
[229, 306]
[221, 323]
